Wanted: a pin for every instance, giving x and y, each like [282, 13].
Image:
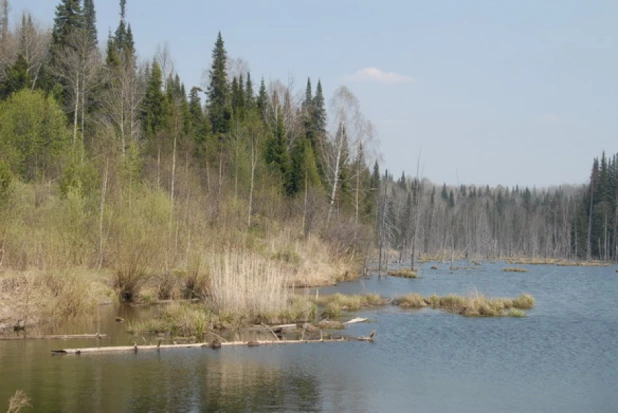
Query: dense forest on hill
[110, 162]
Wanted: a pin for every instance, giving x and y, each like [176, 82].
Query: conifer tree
[262, 100]
[277, 157]
[69, 18]
[218, 90]
[90, 20]
[318, 133]
[250, 98]
[17, 78]
[199, 122]
[155, 114]
[304, 171]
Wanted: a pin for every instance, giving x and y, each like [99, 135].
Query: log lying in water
[215, 344]
[55, 337]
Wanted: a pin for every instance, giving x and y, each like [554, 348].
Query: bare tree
[163, 56]
[237, 67]
[7, 55]
[120, 103]
[78, 65]
[348, 129]
[32, 45]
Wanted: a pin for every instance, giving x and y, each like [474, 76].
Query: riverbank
[231, 284]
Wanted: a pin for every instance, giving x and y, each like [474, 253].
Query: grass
[150, 248]
[515, 269]
[474, 305]
[403, 273]
[524, 302]
[178, 319]
[411, 300]
[514, 312]
[18, 401]
[583, 264]
[48, 297]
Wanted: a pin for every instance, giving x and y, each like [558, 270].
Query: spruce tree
[304, 171]
[17, 78]
[250, 98]
[277, 157]
[262, 100]
[218, 90]
[318, 133]
[69, 18]
[199, 122]
[155, 116]
[90, 19]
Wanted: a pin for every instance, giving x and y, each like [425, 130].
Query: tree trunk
[101, 213]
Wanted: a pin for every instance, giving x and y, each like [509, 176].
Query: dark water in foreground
[562, 358]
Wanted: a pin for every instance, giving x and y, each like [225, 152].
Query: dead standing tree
[348, 125]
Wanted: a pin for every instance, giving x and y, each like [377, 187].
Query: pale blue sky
[489, 92]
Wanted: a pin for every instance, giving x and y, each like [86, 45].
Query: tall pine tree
[218, 90]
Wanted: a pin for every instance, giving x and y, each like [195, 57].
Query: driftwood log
[215, 344]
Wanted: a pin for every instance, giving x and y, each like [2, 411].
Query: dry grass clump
[30, 298]
[178, 319]
[244, 283]
[403, 273]
[532, 261]
[475, 305]
[412, 300]
[18, 401]
[514, 269]
[334, 305]
[309, 261]
[583, 264]
[514, 312]
[524, 302]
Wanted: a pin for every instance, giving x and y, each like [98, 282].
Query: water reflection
[563, 357]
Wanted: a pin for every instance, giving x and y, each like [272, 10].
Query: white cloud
[373, 74]
[552, 117]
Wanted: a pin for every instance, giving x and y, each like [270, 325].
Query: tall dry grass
[245, 283]
[44, 297]
[18, 401]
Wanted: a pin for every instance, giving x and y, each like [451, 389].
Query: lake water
[562, 358]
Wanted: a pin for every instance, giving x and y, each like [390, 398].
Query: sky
[478, 92]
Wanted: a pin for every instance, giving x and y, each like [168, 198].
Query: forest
[113, 170]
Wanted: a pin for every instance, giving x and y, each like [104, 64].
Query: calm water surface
[562, 358]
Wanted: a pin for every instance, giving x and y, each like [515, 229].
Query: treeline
[101, 152]
[416, 218]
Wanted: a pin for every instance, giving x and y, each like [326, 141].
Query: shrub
[524, 302]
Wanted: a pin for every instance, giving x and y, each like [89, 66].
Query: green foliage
[90, 20]
[34, 137]
[69, 17]
[277, 157]
[17, 78]
[6, 179]
[155, 106]
[304, 173]
[80, 176]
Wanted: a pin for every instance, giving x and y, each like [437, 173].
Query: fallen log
[356, 320]
[55, 337]
[215, 344]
